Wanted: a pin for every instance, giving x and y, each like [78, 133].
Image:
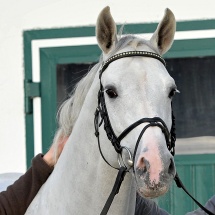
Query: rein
[101, 112]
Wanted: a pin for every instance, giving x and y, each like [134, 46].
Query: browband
[131, 54]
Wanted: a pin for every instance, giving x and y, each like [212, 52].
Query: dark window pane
[68, 75]
[194, 107]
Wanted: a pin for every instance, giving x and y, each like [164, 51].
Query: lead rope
[180, 185]
[119, 179]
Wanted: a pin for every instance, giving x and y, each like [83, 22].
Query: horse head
[139, 87]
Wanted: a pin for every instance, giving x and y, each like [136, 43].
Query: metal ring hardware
[129, 163]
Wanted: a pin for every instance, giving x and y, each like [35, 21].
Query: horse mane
[69, 111]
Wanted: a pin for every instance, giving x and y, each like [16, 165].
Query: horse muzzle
[154, 175]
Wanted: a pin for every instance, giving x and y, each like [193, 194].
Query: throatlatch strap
[180, 185]
[115, 190]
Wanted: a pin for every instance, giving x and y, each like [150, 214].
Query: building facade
[41, 41]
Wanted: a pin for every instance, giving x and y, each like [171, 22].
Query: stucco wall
[17, 16]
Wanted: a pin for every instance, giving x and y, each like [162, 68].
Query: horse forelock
[69, 111]
[132, 41]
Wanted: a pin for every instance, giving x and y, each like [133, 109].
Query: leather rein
[101, 112]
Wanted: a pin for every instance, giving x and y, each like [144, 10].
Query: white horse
[134, 87]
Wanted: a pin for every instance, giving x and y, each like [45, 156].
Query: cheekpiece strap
[131, 54]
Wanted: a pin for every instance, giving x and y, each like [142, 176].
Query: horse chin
[151, 193]
[151, 190]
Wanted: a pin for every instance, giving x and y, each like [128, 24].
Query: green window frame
[51, 56]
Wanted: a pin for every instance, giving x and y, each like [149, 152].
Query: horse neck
[81, 174]
[81, 180]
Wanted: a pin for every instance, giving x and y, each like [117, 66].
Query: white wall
[17, 16]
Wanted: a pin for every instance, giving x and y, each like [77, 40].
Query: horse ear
[164, 34]
[106, 31]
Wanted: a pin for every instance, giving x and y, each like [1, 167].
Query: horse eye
[111, 93]
[172, 93]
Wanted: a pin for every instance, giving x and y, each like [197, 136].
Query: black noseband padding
[153, 121]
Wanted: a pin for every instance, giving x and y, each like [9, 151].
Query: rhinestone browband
[131, 54]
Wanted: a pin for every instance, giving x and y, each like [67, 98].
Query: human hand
[53, 154]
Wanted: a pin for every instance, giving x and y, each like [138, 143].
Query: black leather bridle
[101, 111]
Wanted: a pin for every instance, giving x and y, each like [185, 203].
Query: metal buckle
[129, 163]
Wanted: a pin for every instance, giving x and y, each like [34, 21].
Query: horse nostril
[143, 165]
[171, 169]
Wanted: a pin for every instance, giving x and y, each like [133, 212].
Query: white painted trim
[36, 102]
[195, 145]
[80, 41]
[37, 116]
